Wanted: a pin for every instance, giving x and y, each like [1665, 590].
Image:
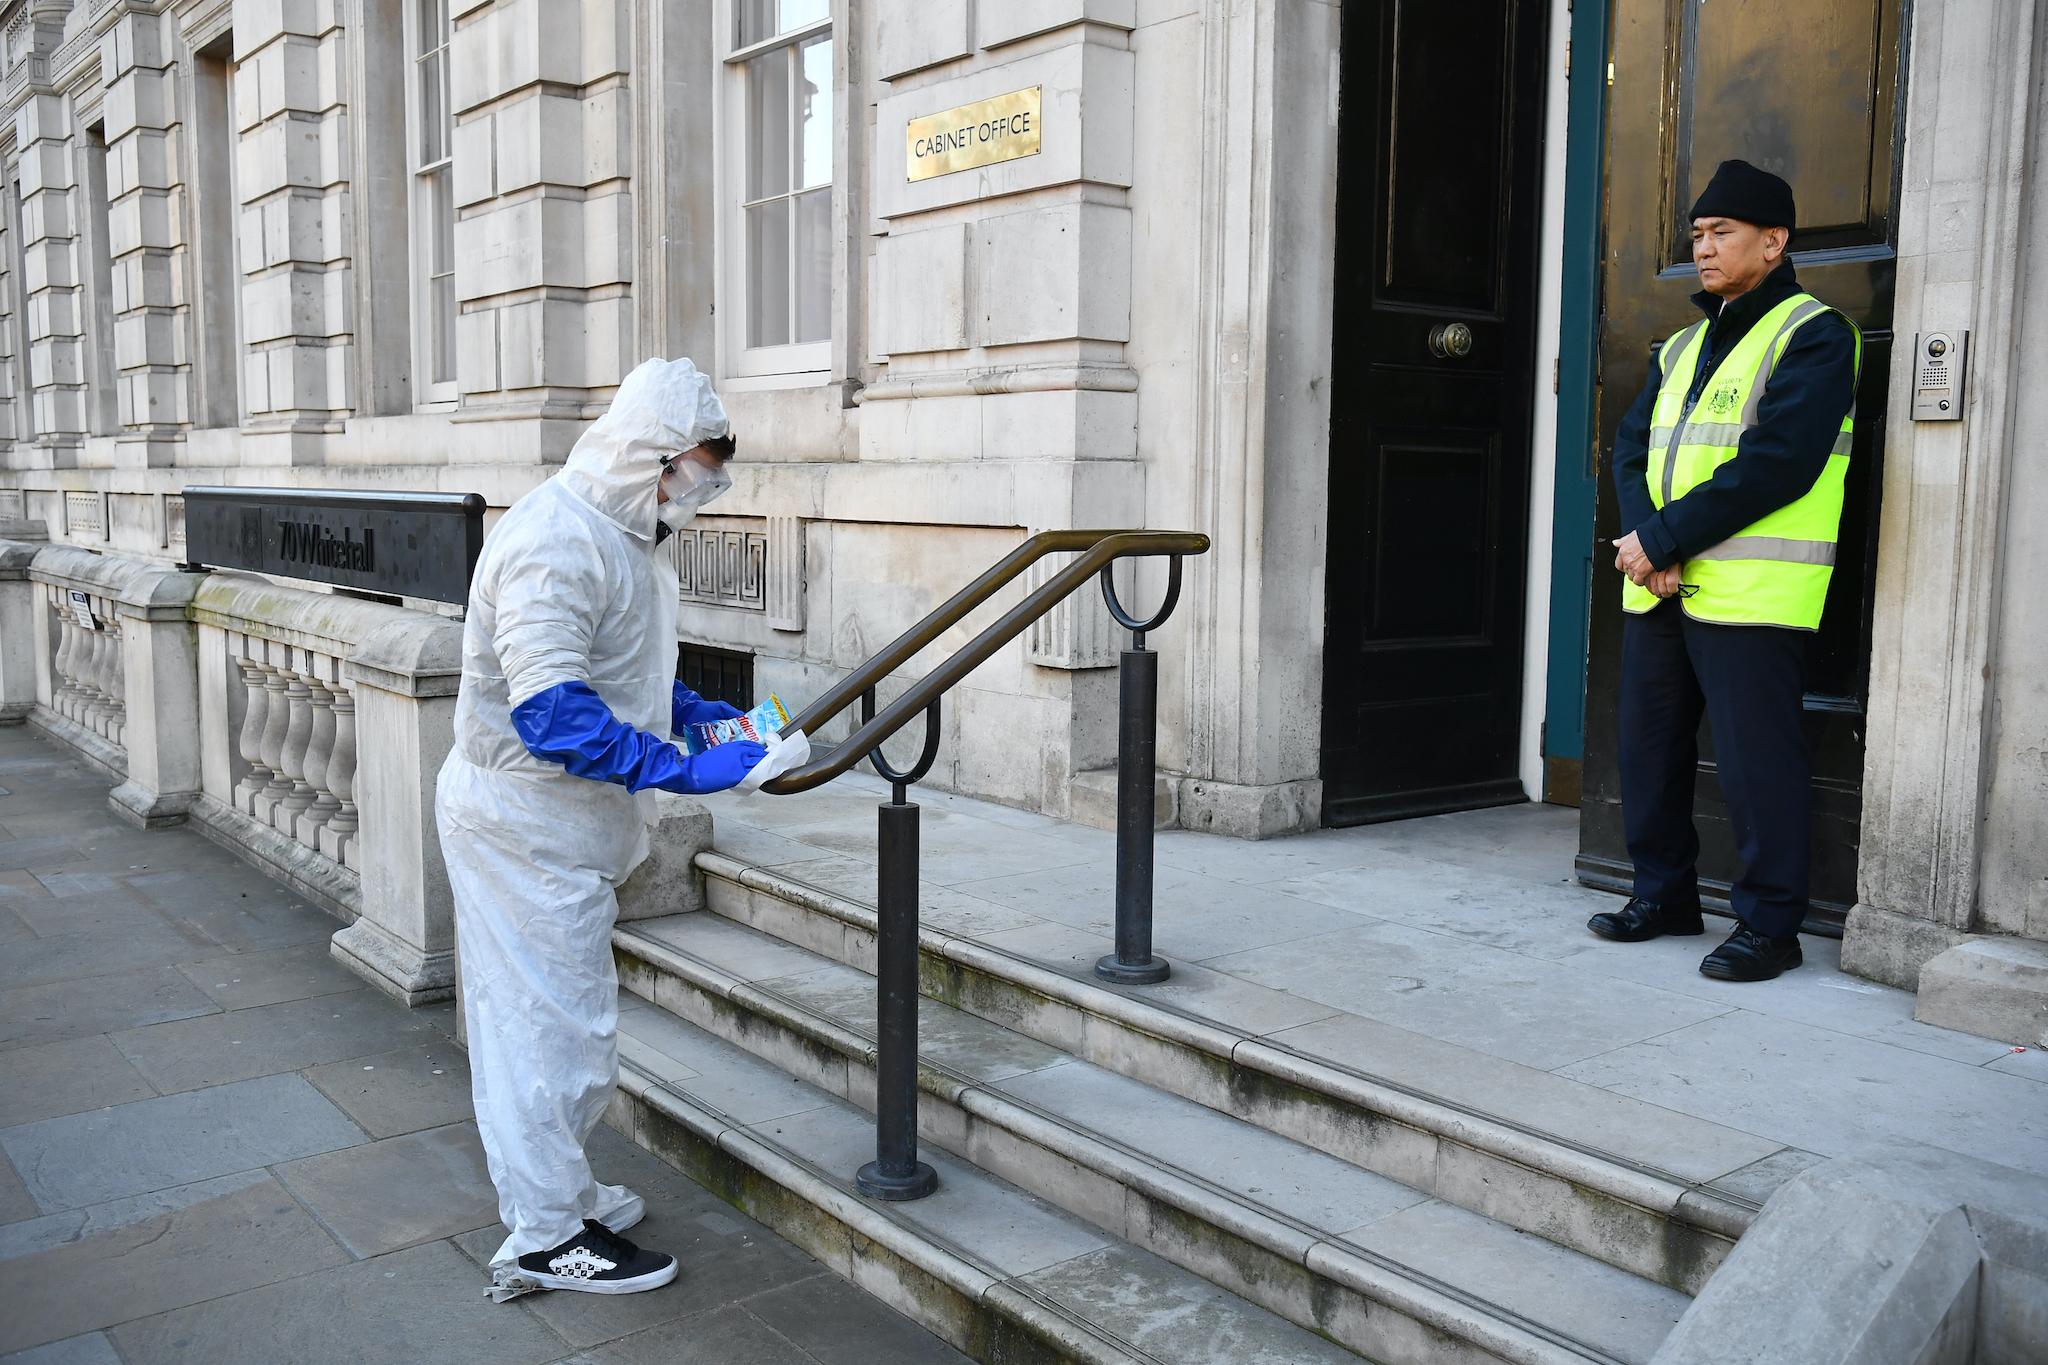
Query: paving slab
[90, 1158]
[13, 927]
[245, 980]
[49, 1080]
[421, 1304]
[234, 907]
[1194, 917]
[388, 1093]
[92, 1348]
[730, 1336]
[721, 1254]
[383, 1196]
[145, 1257]
[1508, 1004]
[99, 1004]
[15, 1203]
[240, 1044]
[95, 952]
[40, 851]
[1828, 1092]
[1181, 1318]
[838, 1324]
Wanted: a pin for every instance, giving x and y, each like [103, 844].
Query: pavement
[218, 1145]
[1450, 954]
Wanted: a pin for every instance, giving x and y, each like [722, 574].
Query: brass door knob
[1450, 340]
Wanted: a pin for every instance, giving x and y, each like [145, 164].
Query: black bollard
[896, 1173]
[1137, 762]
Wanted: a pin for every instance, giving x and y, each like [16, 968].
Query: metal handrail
[1098, 550]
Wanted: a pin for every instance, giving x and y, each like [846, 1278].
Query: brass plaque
[978, 134]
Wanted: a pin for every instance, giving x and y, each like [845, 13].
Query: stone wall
[1956, 786]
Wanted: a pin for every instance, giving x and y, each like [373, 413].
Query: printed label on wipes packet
[758, 724]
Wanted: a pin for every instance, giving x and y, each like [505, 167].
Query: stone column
[289, 108]
[146, 238]
[255, 716]
[404, 677]
[160, 720]
[21, 601]
[543, 165]
[1953, 784]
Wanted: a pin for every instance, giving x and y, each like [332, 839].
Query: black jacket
[1778, 460]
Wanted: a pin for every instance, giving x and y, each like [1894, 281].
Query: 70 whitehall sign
[978, 134]
[302, 542]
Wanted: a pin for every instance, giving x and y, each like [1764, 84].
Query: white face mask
[689, 486]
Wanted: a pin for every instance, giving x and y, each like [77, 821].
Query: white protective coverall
[568, 589]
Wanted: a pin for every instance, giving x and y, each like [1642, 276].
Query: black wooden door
[1434, 338]
[1808, 91]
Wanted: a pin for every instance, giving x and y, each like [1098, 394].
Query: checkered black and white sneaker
[597, 1261]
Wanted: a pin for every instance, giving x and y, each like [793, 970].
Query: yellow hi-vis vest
[1774, 571]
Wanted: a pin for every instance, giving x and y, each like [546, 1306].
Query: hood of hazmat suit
[562, 731]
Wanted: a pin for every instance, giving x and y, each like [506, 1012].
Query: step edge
[1457, 1312]
[922, 1250]
[1696, 1203]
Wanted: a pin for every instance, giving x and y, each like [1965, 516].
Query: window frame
[428, 393]
[796, 363]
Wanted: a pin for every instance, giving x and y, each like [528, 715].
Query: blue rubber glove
[569, 724]
[687, 708]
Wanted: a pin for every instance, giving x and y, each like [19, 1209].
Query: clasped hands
[1630, 559]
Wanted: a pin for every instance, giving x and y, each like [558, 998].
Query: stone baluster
[63, 692]
[276, 722]
[116, 677]
[90, 678]
[319, 754]
[78, 645]
[298, 735]
[255, 708]
[338, 835]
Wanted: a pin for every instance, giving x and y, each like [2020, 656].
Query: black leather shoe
[1750, 956]
[1641, 919]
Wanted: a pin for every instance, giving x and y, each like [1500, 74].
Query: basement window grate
[717, 674]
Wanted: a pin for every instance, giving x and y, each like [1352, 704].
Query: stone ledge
[1912, 1254]
[319, 879]
[1250, 812]
[1992, 987]
[105, 755]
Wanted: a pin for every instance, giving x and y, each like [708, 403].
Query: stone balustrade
[303, 730]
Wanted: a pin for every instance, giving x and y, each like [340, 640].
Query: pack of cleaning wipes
[758, 724]
[787, 749]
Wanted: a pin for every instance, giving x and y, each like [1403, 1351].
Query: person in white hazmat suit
[562, 737]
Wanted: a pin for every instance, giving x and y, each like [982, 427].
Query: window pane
[762, 19]
[757, 21]
[768, 274]
[433, 16]
[433, 112]
[768, 124]
[814, 266]
[814, 103]
[797, 13]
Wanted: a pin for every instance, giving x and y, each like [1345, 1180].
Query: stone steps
[1380, 1267]
[1002, 1275]
[1535, 1152]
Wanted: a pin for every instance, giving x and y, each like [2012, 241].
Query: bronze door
[1809, 91]
[1433, 340]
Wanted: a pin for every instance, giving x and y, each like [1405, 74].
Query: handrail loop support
[1137, 769]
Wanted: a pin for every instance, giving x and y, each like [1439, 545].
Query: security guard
[1729, 469]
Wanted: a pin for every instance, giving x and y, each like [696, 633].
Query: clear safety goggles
[689, 484]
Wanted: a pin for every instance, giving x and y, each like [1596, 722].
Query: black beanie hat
[1746, 194]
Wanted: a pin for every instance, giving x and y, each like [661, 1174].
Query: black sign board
[402, 544]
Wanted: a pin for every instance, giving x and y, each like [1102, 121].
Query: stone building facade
[413, 244]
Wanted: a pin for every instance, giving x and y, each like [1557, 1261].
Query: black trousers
[1749, 681]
